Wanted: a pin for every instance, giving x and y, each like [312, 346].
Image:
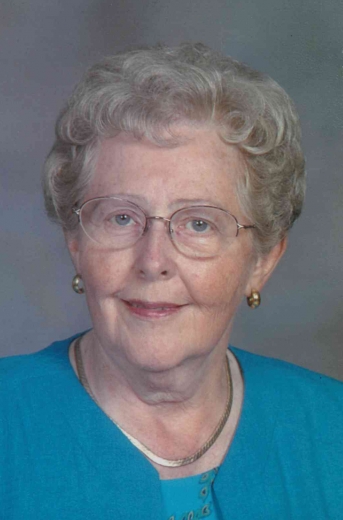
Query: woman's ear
[74, 248]
[264, 267]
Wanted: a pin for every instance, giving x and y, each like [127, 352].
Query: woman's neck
[173, 412]
[195, 383]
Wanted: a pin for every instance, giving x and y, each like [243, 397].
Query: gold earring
[254, 300]
[79, 289]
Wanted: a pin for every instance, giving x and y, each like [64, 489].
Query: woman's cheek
[104, 272]
[217, 286]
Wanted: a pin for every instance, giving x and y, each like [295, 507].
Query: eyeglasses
[196, 231]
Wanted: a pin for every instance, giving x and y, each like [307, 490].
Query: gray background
[46, 45]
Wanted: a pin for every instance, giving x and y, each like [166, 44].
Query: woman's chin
[155, 362]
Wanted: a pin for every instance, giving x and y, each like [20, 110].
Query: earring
[254, 300]
[79, 289]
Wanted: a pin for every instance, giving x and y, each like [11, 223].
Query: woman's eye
[198, 225]
[121, 220]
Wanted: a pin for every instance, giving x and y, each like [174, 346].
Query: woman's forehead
[203, 152]
[201, 167]
[205, 142]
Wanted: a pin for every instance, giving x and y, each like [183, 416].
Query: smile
[145, 309]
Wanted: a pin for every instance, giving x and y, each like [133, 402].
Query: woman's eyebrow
[202, 202]
[177, 202]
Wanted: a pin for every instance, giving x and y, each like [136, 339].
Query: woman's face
[151, 305]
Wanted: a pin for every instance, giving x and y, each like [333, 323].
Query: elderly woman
[175, 176]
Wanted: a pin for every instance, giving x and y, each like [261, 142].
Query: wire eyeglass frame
[77, 210]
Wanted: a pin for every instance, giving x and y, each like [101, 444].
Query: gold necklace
[141, 447]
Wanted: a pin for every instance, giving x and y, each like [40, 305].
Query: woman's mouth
[145, 309]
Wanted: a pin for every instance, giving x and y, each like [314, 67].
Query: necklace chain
[140, 446]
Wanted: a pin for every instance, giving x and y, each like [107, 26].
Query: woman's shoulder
[288, 444]
[276, 384]
[18, 370]
[256, 365]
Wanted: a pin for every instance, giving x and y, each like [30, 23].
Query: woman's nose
[155, 251]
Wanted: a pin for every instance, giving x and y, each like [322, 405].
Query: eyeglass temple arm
[242, 226]
[77, 212]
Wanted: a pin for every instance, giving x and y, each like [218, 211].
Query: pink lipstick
[146, 309]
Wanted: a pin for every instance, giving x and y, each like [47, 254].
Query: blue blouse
[189, 498]
[62, 457]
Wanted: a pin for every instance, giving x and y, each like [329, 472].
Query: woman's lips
[145, 309]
